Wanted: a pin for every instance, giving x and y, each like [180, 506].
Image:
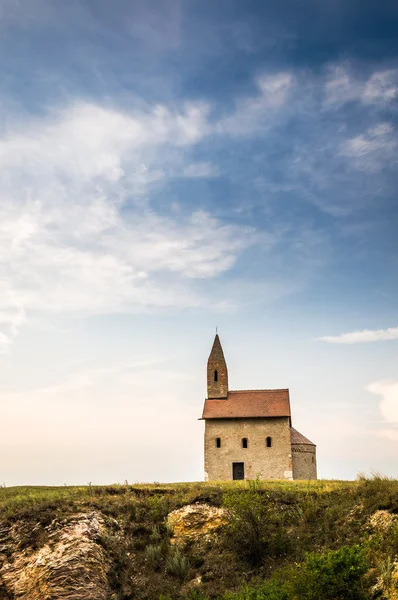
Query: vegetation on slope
[283, 540]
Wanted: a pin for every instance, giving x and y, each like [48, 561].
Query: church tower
[217, 372]
[249, 433]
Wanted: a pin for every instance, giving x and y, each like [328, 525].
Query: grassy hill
[279, 540]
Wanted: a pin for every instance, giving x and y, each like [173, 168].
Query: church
[249, 433]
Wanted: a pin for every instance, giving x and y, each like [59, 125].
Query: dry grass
[320, 516]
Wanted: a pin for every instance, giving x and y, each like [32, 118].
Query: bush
[270, 590]
[178, 564]
[336, 575]
[153, 553]
[256, 526]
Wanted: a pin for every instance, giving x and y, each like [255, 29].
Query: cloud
[382, 86]
[86, 225]
[254, 113]
[201, 169]
[335, 145]
[78, 231]
[343, 85]
[373, 150]
[363, 336]
[389, 403]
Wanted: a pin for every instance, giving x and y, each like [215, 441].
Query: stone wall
[217, 387]
[304, 461]
[259, 461]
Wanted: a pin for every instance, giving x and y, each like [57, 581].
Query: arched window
[215, 375]
[218, 442]
[244, 442]
[268, 442]
[313, 459]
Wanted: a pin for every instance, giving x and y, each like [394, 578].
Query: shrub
[153, 553]
[256, 526]
[336, 575]
[155, 536]
[178, 564]
[270, 590]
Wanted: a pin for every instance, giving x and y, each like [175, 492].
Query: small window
[215, 375]
[268, 442]
[313, 459]
[218, 442]
[244, 442]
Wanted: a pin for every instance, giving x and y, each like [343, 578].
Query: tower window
[313, 460]
[244, 442]
[218, 442]
[268, 442]
[215, 375]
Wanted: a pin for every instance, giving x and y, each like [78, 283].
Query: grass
[286, 520]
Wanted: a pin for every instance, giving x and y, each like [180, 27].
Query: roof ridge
[260, 390]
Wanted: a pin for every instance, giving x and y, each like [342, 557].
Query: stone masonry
[249, 433]
[259, 460]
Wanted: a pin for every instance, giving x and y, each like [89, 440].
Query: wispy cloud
[78, 230]
[363, 336]
[254, 113]
[374, 150]
[344, 85]
[200, 169]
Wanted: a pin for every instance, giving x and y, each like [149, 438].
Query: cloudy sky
[167, 167]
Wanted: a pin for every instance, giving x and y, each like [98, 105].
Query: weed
[153, 554]
[178, 564]
[155, 536]
[256, 527]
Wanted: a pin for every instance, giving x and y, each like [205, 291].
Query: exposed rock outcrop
[196, 522]
[382, 520]
[71, 565]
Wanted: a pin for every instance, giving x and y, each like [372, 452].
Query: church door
[238, 470]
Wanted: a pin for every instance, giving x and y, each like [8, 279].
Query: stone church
[249, 433]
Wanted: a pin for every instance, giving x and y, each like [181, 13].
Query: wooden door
[238, 470]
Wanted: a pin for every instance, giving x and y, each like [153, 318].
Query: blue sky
[166, 167]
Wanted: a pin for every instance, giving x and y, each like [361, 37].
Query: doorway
[238, 471]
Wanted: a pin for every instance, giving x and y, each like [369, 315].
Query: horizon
[169, 168]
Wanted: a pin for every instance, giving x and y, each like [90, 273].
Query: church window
[215, 375]
[268, 442]
[244, 442]
[218, 442]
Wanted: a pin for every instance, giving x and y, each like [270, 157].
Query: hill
[238, 541]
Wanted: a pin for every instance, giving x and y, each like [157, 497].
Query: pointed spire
[217, 372]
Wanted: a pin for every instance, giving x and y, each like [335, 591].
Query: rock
[194, 584]
[386, 586]
[195, 522]
[382, 520]
[71, 565]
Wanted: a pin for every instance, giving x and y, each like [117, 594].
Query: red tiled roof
[298, 438]
[249, 403]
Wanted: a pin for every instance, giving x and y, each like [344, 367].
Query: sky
[172, 166]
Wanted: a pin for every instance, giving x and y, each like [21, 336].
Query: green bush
[154, 553]
[256, 526]
[178, 564]
[336, 575]
[270, 590]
